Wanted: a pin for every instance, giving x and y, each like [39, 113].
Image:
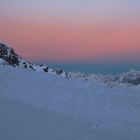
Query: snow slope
[8, 56]
[36, 106]
[19, 121]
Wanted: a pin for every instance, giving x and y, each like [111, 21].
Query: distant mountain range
[8, 56]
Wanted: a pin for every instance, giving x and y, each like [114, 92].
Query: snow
[2, 62]
[21, 121]
[9, 57]
[54, 107]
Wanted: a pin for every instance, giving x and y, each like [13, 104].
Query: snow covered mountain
[36, 106]
[55, 105]
[9, 57]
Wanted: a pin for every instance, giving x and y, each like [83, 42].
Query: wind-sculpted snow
[113, 113]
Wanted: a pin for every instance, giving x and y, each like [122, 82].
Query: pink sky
[73, 41]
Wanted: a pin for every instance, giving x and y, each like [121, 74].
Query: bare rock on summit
[3, 49]
[8, 55]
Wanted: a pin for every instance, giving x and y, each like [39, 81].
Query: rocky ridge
[9, 57]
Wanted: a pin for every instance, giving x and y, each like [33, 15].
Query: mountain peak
[8, 54]
[10, 57]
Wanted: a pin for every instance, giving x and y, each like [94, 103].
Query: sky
[72, 31]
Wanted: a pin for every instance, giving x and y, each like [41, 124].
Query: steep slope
[86, 109]
[9, 57]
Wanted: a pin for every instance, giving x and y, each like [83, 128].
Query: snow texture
[81, 109]
[37, 102]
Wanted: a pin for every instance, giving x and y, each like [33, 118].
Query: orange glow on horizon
[66, 43]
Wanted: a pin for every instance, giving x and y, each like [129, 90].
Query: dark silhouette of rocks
[8, 55]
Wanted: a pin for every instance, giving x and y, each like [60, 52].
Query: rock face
[8, 55]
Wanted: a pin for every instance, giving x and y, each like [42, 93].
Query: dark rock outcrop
[8, 55]
[46, 69]
[58, 71]
[133, 81]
